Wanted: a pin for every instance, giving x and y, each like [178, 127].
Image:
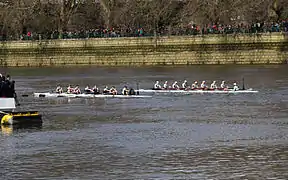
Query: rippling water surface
[198, 136]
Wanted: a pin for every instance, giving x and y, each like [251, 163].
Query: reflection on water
[8, 130]
[198, 136]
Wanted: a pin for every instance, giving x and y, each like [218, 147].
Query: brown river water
[166, 136]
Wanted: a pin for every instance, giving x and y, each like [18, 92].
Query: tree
[279, 7]
[16, 15]
[108, 8]
[66, 9]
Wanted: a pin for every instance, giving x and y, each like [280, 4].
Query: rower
[59, 89]
[223, 85]
[213, 85]
[235, 87]
[131, 92]
[157, 85]
[203, 85]
[95, 90]
[88, 90]
[77, 90]
[125, 90]
[194, 85]
[113, 91]
[106, 90]
[175, 85]
[70, 89]
[184, 84]
[165, 85]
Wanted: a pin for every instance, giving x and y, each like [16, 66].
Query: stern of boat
[27, 117]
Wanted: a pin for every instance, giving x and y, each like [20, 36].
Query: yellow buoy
[7, 119]
[28, 117]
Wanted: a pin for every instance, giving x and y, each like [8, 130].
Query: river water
[198, 136]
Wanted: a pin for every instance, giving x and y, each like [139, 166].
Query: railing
[163, 32]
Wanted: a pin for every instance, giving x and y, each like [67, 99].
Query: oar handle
[243, 84]
[2, 112]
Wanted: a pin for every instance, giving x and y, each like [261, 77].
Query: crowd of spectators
[91, 33]
[191, 29]
[263, 27]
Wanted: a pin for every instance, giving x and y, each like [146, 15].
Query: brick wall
[174, 50]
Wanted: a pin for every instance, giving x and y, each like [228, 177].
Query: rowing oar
[16, 99]
[243, 86]
[137, 86]
[2, 112]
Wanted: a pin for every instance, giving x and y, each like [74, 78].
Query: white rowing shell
[87, 95]
[197, 91]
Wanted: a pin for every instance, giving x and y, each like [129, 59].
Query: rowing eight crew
[194, 86]
[95, 90]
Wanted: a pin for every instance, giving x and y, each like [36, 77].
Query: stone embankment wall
[174, 50]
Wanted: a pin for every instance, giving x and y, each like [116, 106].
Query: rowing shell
[55, 95]
[197, 91]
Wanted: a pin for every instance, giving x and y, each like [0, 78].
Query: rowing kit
[203, 88]
[55, 95]
[225, 91]
[194, 88]
[157, 89]
[199, 91]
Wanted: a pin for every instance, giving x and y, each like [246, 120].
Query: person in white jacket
[223, 86]
[175, 85]
[184, 84]
[203, 85]
[59, 89]
[194, 85]
[213, 85]
[235, 87]
[165, 85]
[157, 85]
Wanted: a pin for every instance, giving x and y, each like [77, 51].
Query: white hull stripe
[197, 91]
[86, 95]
